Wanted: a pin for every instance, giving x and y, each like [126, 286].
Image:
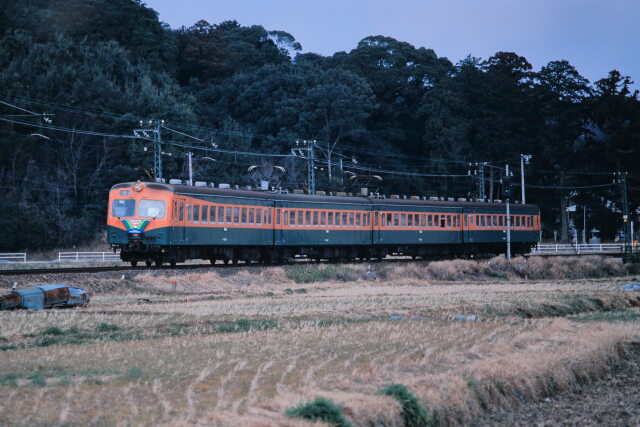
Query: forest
[77, 77]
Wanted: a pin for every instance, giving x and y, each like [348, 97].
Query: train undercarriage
[159, 255]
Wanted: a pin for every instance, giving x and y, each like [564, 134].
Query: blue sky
[596, 36]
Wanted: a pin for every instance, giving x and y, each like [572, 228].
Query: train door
[182, 220]
[281, 214]
[377, 225]
[467, 220]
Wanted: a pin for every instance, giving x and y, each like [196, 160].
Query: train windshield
[151, 209]
[123, 208]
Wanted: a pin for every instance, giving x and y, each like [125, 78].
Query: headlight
[138, 186]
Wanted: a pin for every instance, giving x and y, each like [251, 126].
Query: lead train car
[158, 223]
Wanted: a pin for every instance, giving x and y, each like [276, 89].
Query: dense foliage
[101, 65]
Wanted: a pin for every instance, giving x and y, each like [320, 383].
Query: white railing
[577, 249]
[13, 257]
[87, 256]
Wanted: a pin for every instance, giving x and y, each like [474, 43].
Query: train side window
[286, 217]
[300, 218]
[243, 217]
[403, 220]
[205, 214]
[220, 218]
[358, 223]
[315, 218]
[344, 219]
[258, 216]
[388, 223]
[323, 218]
[396, 220]
[338, 215]
[227, 218]
[268, 220]
[307, 216]
[250, 215]
[196, 213]
[448, 220]
[236, 215]
[375, 219]
[330, 219]
[423, 220]
[365, 219]
[174, 213]
[410, 221]
[181, 211]
[466, 220]
[429, 220]
[517, 221]
[442, 221]
[500, 220]
[291, 218]
[278, 216]
[212, 214]
[189, 213]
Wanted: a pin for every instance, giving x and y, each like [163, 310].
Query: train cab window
[315, 218]
[123, 208]
[258, 216]
[151, 208]
[243, 216]
[212, 214]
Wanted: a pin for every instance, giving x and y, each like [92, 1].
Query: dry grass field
[243, 346]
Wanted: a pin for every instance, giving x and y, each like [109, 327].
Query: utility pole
[305, 150]
[341, 176]
[507, 193]
[621, 178]
[524, 158]
[190, 155]
[153, 132]
[584, 224]
[482, 193]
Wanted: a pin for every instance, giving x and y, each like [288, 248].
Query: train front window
[151, 208]
[123, 208]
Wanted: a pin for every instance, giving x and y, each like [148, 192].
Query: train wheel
[212, 260]
[173, 263]
[149, 263]
[134, 263]
[158, 263]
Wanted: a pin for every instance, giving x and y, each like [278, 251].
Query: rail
[577, 249]
[87, 256]
[13, 257]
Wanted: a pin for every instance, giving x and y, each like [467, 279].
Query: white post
[508, 223]
[522, 177]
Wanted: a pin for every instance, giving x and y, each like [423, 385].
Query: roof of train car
[229, 192]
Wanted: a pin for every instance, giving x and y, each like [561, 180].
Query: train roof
[265, 195]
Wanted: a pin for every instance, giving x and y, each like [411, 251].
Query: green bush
[320, 409]
[414, 414]
[52, 330]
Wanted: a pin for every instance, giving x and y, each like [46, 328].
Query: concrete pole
[190, 154]
[508, 223]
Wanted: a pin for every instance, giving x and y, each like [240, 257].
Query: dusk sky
[595, 36]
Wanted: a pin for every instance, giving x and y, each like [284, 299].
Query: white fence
[87, 256]
[579, 249]
[13, 257]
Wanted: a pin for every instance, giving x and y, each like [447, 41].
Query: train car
[159, 223]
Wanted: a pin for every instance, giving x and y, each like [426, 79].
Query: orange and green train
[166, 223]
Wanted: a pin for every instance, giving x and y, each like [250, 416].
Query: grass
[244, 347]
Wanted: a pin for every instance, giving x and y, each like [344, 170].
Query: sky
[595, 36]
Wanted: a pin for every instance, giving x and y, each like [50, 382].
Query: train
[158, 223]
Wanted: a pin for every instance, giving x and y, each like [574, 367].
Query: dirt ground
[612, 401]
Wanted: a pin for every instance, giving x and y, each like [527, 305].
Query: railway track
[97, 269]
